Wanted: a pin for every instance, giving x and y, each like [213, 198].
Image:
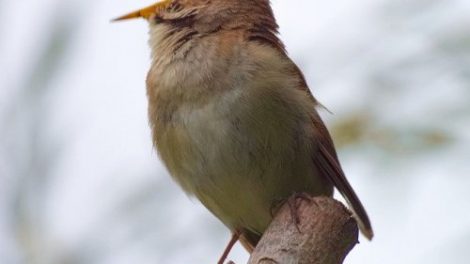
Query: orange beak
[145, 12]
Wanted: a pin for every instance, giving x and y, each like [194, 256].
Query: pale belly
[240, 159]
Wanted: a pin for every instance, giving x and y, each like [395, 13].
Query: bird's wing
[327, 163]
[326, 160]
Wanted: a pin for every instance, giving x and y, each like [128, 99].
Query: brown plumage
[231, 115]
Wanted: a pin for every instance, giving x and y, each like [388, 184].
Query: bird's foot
[294, 203]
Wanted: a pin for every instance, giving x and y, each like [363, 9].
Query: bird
[232, 117]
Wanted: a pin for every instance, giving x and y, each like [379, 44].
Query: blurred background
[80, 182]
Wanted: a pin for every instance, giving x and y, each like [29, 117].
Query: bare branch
[327, 233]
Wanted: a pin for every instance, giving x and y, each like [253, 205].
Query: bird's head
[177, 21]
[201, 11]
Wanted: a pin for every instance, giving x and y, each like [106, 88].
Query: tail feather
[330, 167]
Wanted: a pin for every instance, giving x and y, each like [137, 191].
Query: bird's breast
[239, 141]
[239, 152]
[197, 138]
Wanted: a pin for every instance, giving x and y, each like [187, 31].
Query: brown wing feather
[327, 162]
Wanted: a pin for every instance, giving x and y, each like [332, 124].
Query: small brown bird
[231, 115]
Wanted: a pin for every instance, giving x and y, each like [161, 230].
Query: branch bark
[325, 234]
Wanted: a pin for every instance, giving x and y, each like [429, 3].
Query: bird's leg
[228, 248]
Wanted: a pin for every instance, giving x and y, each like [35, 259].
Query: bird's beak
[145, 12]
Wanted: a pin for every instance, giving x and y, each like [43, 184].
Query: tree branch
[325, 234]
